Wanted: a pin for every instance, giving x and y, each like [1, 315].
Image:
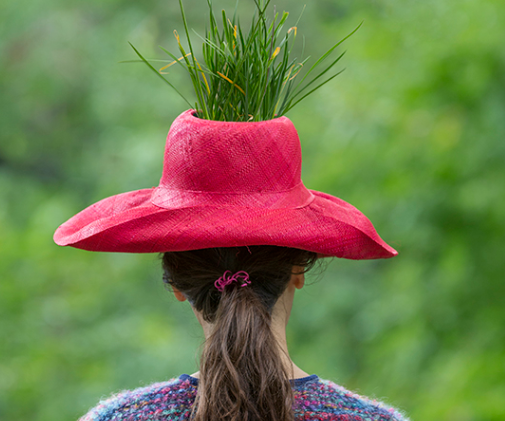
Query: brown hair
[242, 377]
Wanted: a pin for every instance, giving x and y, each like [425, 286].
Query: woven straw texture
[226, 184]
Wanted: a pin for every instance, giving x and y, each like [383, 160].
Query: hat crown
[231, 157]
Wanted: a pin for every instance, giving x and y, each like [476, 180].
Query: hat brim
[131, 223]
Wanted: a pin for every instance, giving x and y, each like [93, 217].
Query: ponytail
[242, 376]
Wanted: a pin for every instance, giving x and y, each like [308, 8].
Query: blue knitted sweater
[315, 400]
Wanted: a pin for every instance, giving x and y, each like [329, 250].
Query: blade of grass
[161, 76]
[319, 75]
[325, 55]
[195, 78]
[315, 89]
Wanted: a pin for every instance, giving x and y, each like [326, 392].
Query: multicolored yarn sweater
[315, 400]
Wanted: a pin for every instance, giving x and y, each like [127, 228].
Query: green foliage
[247, 77]
[412, 135]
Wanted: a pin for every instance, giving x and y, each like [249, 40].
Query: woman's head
[242, 375]
[270, 268]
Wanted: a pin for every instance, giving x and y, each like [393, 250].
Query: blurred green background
[412, 133]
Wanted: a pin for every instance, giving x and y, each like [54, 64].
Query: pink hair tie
[228, 278]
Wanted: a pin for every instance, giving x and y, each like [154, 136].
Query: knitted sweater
[315, 400]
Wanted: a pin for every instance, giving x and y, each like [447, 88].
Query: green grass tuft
[248, 77]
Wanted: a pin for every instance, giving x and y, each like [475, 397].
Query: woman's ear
[298, 277]
[178, 294]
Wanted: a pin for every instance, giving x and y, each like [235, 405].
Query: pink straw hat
[226, 184]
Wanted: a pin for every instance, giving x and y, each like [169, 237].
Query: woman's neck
[280, 316]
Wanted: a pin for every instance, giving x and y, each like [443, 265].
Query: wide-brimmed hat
[226, 184]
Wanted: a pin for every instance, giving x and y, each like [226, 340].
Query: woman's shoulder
[166, 400]
[320, 399]
[315, 399]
